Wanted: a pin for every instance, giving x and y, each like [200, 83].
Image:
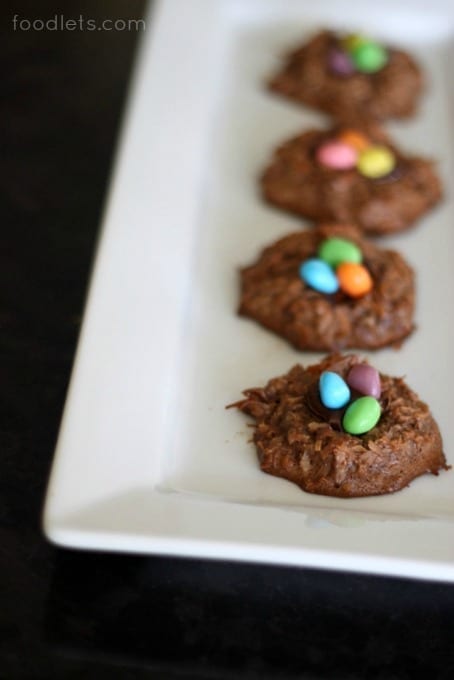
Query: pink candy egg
[337, 155]
[365, 379]
[340, 63]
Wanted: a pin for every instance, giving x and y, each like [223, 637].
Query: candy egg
[352, 41]
[319, 276]
[369, 57]
[354, 138]
[340, 63]
[354, 279]
[334, 251]
[365, 379]
[337, 155]
[361, 415]
[376, 161]
[334, 391]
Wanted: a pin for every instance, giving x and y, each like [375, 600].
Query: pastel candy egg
[369, 57]
[334, 391]
[365, 379]
[319, 276]
[354, 279]
[361, 415]
[352, 41]
[337, 155]
[354, 138]
[376, 161]
[340, 63]
[335, 250]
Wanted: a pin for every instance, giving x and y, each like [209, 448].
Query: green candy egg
[361, 416]
[334, 251]
[369, 57]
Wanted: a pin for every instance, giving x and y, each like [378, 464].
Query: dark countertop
[68, 614]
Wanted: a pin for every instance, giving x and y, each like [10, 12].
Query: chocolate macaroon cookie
[381, 439]
[351, 175]
[344, 75]
[300, 287]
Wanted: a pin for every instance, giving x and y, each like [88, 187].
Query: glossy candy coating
[354, 279]
[376, 161]
[361, 415]
[354, 138]
[340, 62]
[369, 57]
[334, 391]
[319, 276]
[334, 251]
[365, 379]
[336, 155]
[352, 41]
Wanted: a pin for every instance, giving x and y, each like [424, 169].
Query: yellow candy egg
[376, 161]
[352, 41]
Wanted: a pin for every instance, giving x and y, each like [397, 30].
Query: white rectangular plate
[148, 458]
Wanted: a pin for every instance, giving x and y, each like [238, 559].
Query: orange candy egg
[355, 139]
[354, 279]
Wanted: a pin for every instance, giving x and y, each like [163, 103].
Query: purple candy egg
[365, 379]
[339, 62]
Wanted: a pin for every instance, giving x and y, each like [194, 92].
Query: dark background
[66, 614]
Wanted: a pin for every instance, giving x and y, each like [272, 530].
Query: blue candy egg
[334, 391]
[318, 275]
